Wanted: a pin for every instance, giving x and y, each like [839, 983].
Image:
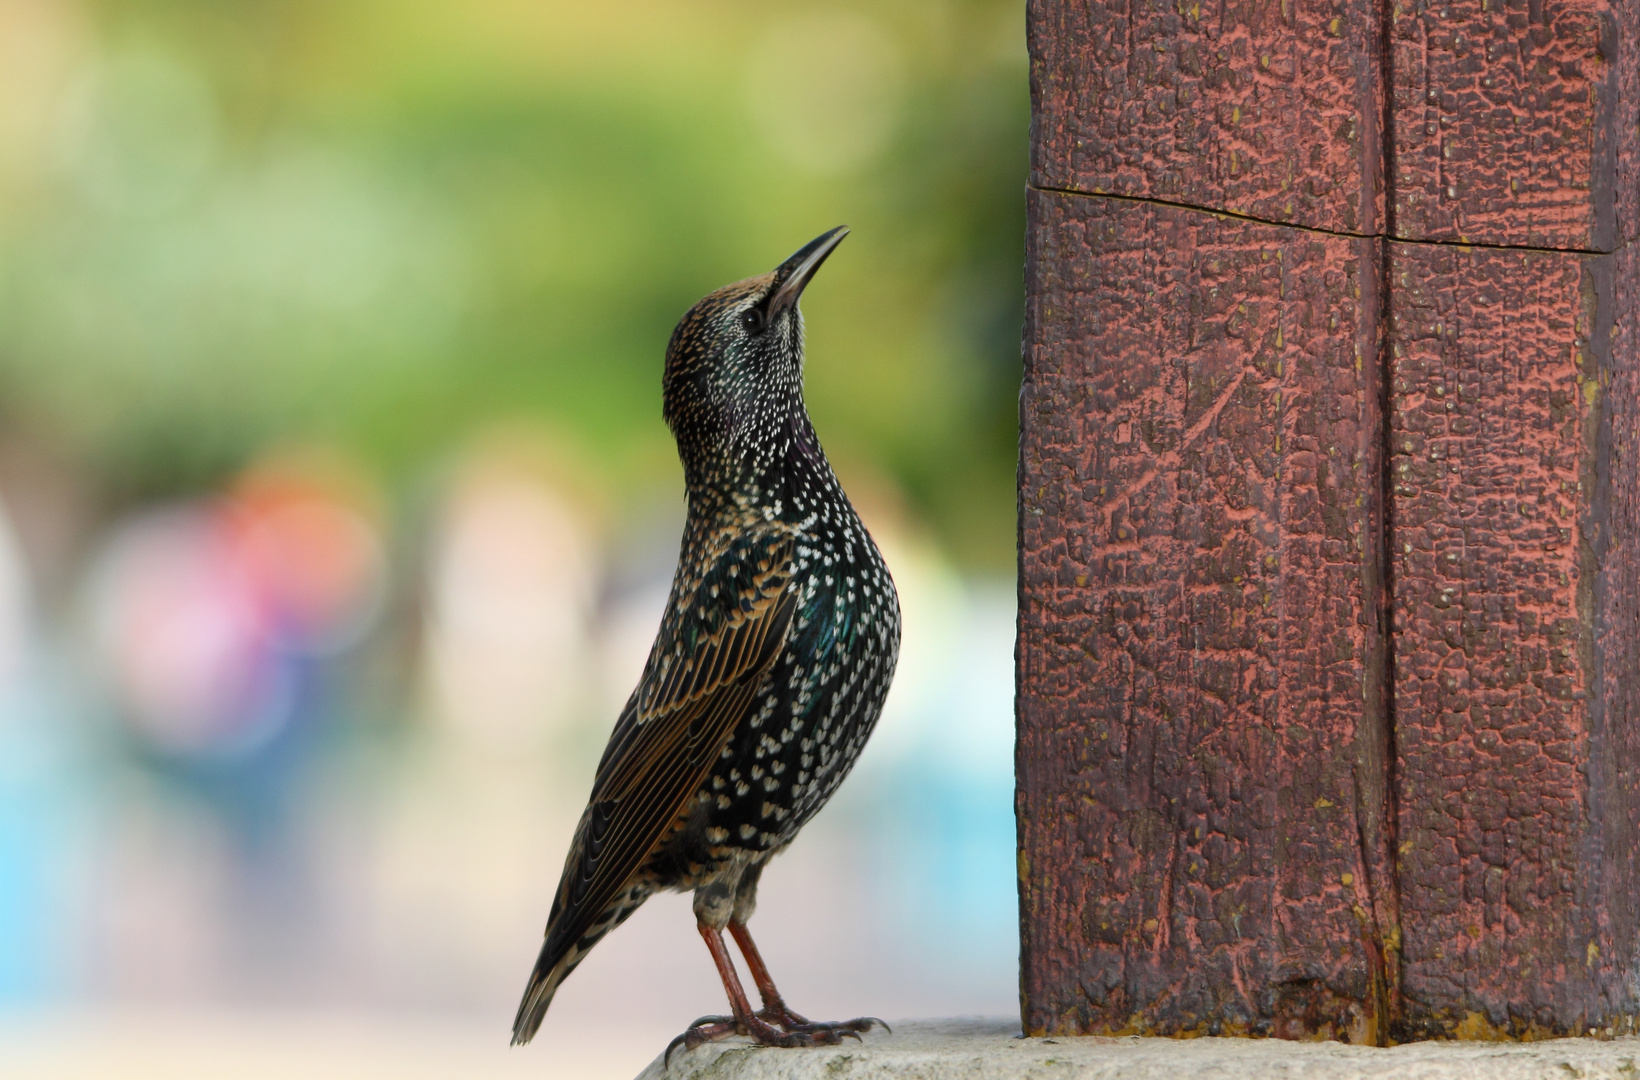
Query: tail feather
[544, 981]
[559, 958]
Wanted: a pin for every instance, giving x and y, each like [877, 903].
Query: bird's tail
[543, 984]
[558, 959]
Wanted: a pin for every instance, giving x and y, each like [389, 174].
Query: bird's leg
[711, 1028]
[775, 1010]
[744, 1021]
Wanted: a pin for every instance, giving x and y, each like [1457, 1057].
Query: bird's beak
[793, 275]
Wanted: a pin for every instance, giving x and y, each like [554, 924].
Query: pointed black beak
[793, 275]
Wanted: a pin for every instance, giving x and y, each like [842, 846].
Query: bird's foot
[780, 1016]
[702, 1031]
[783, 1017]
[839, 1028]
[761, 1027]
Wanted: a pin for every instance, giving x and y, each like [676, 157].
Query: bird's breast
[818, 704]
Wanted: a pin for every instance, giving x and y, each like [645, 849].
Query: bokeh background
[337, 513]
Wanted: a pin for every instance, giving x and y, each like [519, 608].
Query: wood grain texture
[1516, 121]
[1515, 626]
[1199, 655]
[1270, 108]
[1511, 121]
[1211, 724]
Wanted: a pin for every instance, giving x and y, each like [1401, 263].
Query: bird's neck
[758, 472]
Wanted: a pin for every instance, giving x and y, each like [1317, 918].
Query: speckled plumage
[771, 665]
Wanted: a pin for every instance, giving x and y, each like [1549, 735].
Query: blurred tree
[388, 224]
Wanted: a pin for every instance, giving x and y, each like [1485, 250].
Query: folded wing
[715, 646]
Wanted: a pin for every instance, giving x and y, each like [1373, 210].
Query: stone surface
[1270, 108]
[993, 1050]
[1512, 411]
[1201, 735]
[1515, 121]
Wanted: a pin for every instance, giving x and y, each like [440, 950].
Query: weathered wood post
[1329, 589]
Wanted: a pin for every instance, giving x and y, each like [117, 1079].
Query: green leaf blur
[388, 225]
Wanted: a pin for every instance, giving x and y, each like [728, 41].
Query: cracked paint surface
[1198, 499]
[1316, 739]
[1503, 473]
[1511, 122]
[1515, 122]
[1266, 107]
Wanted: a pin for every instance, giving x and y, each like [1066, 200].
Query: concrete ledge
[976, 1049]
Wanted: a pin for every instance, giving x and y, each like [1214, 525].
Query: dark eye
[752, 320]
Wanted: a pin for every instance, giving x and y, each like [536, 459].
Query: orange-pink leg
[775, 1010]
[744, 1021]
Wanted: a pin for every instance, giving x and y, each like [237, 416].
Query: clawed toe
[759, 1028]
[706, 1029]
[807, 1035]
[852, 1028]
[780, 1016]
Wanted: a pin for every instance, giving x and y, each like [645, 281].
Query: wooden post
[1328, 597]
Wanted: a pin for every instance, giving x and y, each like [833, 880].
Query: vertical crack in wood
[1375, 809]
[1375, 801]
[1461, 321]
[1386, 890]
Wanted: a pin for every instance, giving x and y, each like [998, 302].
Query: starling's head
[734, 367]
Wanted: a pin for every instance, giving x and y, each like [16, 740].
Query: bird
[769, 671]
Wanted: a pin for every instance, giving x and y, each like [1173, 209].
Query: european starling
[772, 662]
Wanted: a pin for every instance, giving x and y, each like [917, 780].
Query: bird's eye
[752, 320]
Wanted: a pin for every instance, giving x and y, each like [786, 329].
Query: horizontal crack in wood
[1237, 215]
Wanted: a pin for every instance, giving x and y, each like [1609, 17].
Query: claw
[848, 1027]
[761, 1031]
[774, 1024]
[699, 1034]
[666, 1058]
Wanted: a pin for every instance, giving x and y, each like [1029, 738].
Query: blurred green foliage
[388, 224]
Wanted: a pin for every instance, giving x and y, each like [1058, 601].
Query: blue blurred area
[941, 818]
[46, 806]
[43, 817]
[282, 779]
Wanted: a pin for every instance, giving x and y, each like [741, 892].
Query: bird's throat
[756, 468]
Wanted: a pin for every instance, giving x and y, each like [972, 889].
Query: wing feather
[674, 726]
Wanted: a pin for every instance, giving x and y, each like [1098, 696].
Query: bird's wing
[703, 673]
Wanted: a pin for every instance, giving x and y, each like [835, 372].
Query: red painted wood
[1210, 741]
[1511, 121]
[1517, 121]
[1515, 629]
[1200, 728]
[1270, 108]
